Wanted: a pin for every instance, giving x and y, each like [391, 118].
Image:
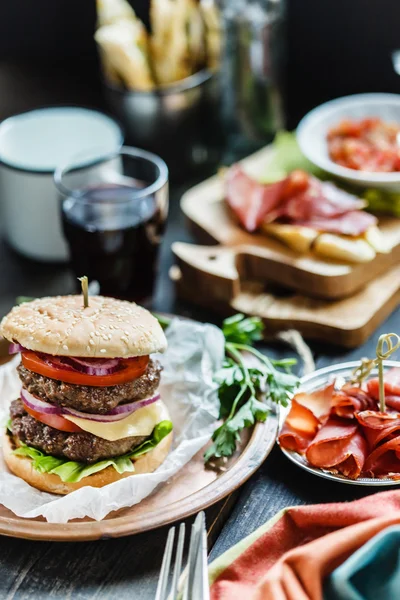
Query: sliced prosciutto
[299, 429]
[384, 460]
[340, 447]
[299, 199]
[378, 427]
[250, 200]
[350, 400]
[320, 200]
[352, 223]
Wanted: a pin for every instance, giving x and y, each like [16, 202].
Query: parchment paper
[195, 352]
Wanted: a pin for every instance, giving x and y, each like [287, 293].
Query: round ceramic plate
[192, 489]
[318, 380]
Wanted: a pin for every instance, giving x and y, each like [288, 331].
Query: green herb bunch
[244, 385]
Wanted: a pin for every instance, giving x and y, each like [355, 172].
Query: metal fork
[195, 576]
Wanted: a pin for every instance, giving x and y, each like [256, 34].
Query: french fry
[195, 31]
[168, 43]
[111, 11]
[124, 43]
[213, 33]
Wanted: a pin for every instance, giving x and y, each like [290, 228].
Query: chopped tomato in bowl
[365, 145]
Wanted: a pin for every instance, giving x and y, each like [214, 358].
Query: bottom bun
[22, 467]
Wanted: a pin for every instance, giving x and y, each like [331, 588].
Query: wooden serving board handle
[208, 270]
[208, 277]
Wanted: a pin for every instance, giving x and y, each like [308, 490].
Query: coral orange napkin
[289, 557]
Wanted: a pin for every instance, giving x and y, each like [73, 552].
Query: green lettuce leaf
[382, 202]
[287, 157]
[72, 471]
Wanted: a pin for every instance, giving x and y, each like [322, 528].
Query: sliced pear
[340, 247]
[295, 236]
[374, 237]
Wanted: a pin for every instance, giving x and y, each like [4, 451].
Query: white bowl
[313, 128]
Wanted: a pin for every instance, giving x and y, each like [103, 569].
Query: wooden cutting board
[261, 258]
[208, 276]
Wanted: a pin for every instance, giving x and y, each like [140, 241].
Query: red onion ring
[14, 348]
[117, 414]
[39, 405]
[94, 366]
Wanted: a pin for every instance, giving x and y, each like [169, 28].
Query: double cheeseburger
[89, 411]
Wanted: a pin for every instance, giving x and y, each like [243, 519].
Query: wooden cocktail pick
[362, 371]
[387, 344]
[85, 290]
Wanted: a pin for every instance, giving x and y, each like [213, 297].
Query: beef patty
[82, 447]
[90, 399]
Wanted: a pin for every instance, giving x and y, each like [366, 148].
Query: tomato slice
[132, 369]
[55, 421]
[297, 182]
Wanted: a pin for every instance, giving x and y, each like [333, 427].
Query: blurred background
[334, 48]
[280, 59]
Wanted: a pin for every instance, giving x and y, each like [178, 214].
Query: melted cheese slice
[141, 422]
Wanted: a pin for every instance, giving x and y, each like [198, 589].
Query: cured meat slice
[307, 412]
[299, 199]
[392, 384]
[378, 427]
[384, 460]
[338, 447]
[299, 428]
[393, 402]
[320, 200]
[319, 402]
[351, 399]
[250, 200]
[352, 223]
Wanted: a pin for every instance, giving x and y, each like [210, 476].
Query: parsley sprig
[243, 390]
[244, 386]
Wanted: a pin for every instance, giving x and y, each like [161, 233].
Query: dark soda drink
[114, 238]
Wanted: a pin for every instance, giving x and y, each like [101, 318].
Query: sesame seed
[92, 342]
[65, 347]
[87, 348]
[103, 350]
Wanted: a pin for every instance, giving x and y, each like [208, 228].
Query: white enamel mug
[32, 145]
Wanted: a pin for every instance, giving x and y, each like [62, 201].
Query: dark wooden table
[127, 568]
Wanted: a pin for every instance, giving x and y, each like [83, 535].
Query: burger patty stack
[89, 411]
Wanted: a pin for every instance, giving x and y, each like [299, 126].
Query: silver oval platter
[312, 382]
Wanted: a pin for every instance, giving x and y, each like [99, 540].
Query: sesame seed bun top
[107, 328]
